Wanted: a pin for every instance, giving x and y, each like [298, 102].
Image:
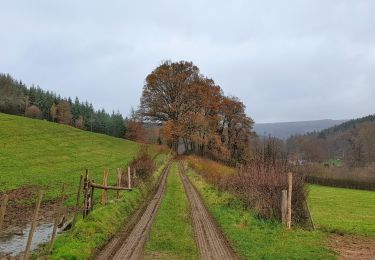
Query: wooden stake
[53, 236]
[129, 179]
[85, 192]
[78, 200]
[57, 218]
[33, 225]
[290, 189]
[92, 196]
[86, 196]
[118, 182]
[104, 192]
[284, 206]
[3, 208]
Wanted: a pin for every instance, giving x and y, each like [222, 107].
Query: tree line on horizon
[33, 102]
[352, 142]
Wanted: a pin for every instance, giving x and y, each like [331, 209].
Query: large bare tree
[193, 109]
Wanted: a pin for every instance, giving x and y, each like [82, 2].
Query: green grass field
[41, 153]
[343, 210]
[253, 238]
[172, 234]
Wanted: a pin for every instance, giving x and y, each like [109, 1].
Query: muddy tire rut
[129, 243]
[211, 242]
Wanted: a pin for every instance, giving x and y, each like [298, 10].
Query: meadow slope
[44, 154]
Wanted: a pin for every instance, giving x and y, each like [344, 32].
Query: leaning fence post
[310, 216]
[129, 179]
[57, 217]
[4, 203]
[284, 206]
[33, 225]
[290, 188]
[78, 200]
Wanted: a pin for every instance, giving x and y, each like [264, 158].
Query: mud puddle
[14, 243]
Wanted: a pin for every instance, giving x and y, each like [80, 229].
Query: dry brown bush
[33, 112]
[261, 190]
[143, 163]
[259, 184]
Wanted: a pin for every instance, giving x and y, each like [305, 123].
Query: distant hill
[347, 125]
[284, 130]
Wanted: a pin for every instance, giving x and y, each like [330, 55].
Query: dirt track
[129, 243]
[353, 247]
[211, 242]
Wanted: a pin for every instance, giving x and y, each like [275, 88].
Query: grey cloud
[287, 60]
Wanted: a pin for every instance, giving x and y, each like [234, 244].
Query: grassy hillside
[41, 153]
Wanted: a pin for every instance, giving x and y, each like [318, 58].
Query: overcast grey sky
[286, 60]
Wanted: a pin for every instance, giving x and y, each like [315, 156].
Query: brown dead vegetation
[259, 184]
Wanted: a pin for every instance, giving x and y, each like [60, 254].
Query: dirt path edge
[211, 241]
[116, 242]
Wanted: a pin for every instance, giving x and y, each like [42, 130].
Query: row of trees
[194, 112]
[17, 99]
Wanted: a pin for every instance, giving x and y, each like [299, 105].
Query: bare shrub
[259, 184]
[261, 190]
[33, 112]
[143, 163]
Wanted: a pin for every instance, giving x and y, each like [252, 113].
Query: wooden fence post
[57, 218]
[87, 196]
[129, 179]
[290, 189]
[33, 225]
[118, 181]
[78, 200]
[85, 193]
[284, 206]
[3, 208]
[104, 191]
[92, 196]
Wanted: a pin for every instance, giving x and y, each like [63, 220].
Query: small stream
[14, 244]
